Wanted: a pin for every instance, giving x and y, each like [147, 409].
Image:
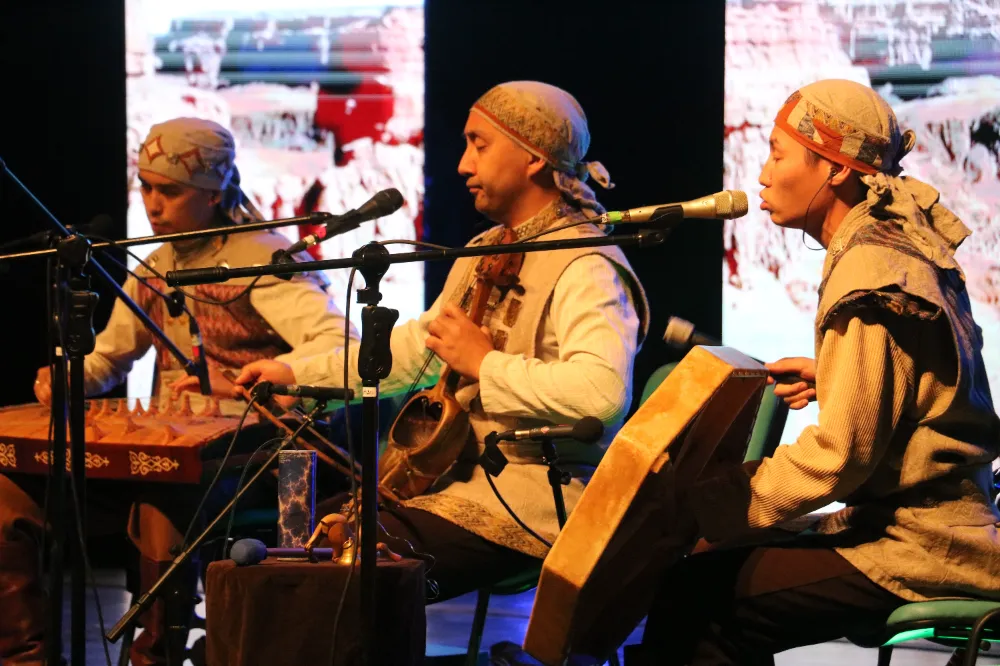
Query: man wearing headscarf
[906, 430]
[189, 181]
[555, 348]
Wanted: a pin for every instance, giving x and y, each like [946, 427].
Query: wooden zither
[598, 580]
[166, 441]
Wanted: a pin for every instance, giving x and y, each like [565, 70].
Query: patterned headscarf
[549, 123]
[850, 124]
[847, 123]
[202, 154]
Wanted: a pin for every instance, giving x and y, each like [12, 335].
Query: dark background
[648, 74]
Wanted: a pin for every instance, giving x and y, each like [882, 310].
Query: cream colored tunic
[587, 337]
[906, 432]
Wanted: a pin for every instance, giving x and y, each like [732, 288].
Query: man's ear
[536, 167]
[839, 174]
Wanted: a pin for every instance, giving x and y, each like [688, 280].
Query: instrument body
[598, 580]
[431, 429]
[166, 442]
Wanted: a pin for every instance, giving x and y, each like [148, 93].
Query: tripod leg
[166, 623]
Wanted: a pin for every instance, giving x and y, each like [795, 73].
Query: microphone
[383, 203]
[681, 334]
[100, 225]
[587, 430]
[176, 307]
[725, 205]
[198, 356]
[264, 390]
[253, 551]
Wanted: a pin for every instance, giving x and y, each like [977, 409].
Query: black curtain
[649, 76]
[63, 135]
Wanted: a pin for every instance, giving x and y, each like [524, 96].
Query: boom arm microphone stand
[375, 361]
[72, 334]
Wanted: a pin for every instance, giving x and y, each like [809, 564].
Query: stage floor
[448, 626]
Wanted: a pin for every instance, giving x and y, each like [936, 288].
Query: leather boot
[168, 620]
[22, 605]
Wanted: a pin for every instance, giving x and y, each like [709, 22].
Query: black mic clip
[281, 257]
[492, 459]
[175, 303]
[262, 391]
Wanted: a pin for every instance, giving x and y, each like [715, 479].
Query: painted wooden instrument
[431, 429]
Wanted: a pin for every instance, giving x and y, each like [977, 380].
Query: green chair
[960, 623]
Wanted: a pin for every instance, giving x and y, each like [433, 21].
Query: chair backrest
[767, 429]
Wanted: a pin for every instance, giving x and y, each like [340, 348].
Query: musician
[907, 427]
[555, 348]
[188, 181]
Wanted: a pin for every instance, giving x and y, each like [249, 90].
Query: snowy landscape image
[325, 101]
[938, 65]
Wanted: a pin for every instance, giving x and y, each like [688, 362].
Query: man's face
[172, 207]
[495, 168]
[791, 178]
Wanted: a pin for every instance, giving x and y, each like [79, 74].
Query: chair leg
[478, 624]
[976, 635]
[884, 655]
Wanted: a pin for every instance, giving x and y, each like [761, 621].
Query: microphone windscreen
[588, 430]
[102, 225]
[389, 201]
[248, 551]
[678, 333]
[733, 204]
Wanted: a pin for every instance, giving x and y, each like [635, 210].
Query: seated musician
[555, 348]
[188, 181]
[906, 431]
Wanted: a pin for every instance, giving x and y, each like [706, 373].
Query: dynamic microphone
[681, 334]
[725, 205]
[264, 390]
[587, 430]
[253, 551]
[198, 356]
[383, 203]
[176, 307]
[99, 226]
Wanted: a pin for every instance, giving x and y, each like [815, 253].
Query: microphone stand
[557, 479]
[311, 219]
[71, 332]
[375, 359]
[72, 337]
[131, 616]
[493, 462]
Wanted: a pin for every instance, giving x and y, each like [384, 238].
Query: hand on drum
[794, 380]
